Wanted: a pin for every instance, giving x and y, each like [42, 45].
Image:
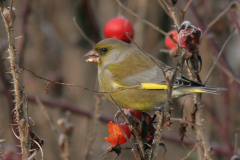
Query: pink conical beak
[93, 57]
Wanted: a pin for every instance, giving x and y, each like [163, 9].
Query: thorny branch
[9, 16]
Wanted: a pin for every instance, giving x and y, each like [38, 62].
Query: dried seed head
[7, 17]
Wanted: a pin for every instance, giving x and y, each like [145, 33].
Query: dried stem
[220, 53]
[217, 18]
[21, 111]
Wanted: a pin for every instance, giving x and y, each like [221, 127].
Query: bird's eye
[103, 50]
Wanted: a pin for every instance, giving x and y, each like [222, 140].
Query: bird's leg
[117, 115]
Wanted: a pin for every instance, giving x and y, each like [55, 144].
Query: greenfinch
[134, 79]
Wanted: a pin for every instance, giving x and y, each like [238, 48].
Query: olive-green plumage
[122, 66]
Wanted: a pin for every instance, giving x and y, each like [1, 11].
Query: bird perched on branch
[135, 80]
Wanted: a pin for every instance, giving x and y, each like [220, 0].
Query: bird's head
[106, 51]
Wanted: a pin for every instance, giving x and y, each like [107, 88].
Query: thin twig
[43, 110]
[67, 84]
[217, 18]
[191, 151]
[82, 33]
[220, 53]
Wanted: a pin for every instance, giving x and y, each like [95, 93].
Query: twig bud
[7, 15]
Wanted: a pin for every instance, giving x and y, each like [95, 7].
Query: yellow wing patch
[154, 86]
[146, 86]
[199, 91]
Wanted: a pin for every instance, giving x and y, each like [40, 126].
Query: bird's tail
[207, 89]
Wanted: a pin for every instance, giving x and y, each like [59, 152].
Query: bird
[135, 79]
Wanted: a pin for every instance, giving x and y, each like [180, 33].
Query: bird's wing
[145, 72]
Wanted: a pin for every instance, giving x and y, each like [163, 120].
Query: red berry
[117, 28]
[169, 43]
[137, 114]
[116, 134]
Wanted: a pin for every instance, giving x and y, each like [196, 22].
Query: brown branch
[9, 16]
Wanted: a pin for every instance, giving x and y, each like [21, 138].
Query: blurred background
[50, 45]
